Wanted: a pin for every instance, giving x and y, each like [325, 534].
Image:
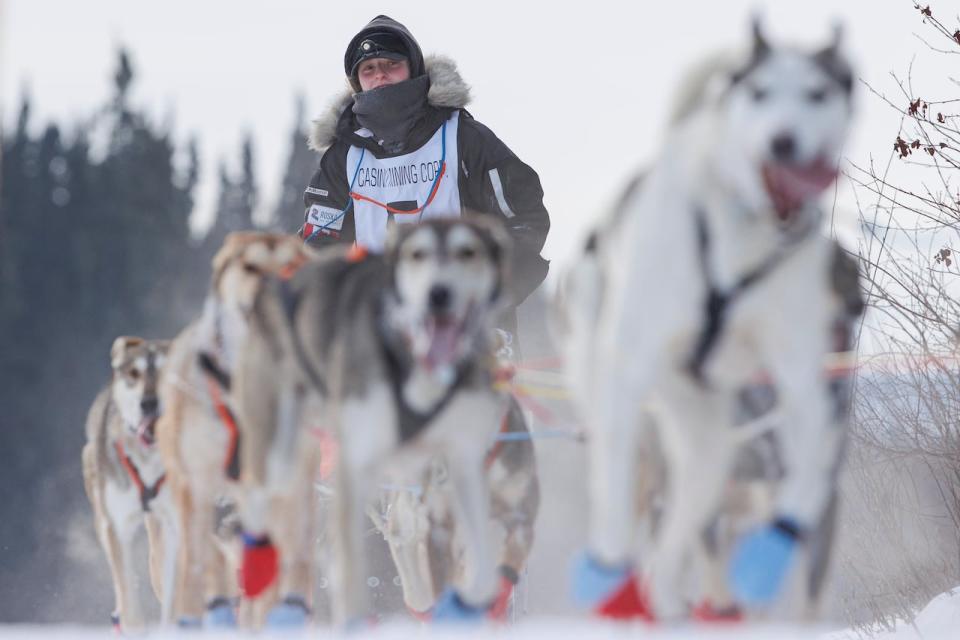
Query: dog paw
[291, 613]
[450, 607]
[422, 616]
[706, 612]
[501, 604]
[612, 592]
[220, 615]
[761, 562]
[259, 566]
[189, 622]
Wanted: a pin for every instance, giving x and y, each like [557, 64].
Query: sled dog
[713, 270]
[198, 433]
[125, 479]
[393, 353]
[417, 521]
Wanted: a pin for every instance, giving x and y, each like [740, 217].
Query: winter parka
[486, 177]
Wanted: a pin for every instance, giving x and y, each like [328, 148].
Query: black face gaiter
[391, 111]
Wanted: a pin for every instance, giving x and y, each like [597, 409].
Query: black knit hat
[378, 45]
[386, 38]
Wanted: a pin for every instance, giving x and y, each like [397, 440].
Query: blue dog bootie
[592, 583]
[762, 561]
[450, 607]
[220, 614]
[291, 613]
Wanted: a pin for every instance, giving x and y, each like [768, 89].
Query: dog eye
[758, 94]
[133, 374]
[816, 96]
[251, 268]
[417, 255]
[466, 253]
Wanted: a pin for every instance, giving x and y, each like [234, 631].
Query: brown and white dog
[125, 478]
[198, 433]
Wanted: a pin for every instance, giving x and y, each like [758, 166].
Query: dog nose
[784, 147]
[149, 405]
[439, 298]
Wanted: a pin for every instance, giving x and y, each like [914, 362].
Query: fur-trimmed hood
[447, 90]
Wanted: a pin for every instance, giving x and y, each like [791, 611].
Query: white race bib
[404, 182]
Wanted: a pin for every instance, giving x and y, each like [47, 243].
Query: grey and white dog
[713, 270]
[393, 353]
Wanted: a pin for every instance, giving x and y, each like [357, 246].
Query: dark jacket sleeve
[326, 217]
[495, 181]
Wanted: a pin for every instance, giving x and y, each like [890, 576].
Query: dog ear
[226, 252]
[760, 45]
[831, 60]
[162, 346]
[499, 245]
[760, 49]
[118, 351]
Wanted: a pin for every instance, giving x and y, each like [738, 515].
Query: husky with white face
[394, 353]
[712, 270]
[125, 478]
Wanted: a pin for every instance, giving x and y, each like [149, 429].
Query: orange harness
[231, 463]
[498, 445]
[146, 493]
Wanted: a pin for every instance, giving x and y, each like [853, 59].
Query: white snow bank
[939, 619]
[943, 622]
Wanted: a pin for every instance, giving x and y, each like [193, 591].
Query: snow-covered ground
[544, 629]
[939, 620]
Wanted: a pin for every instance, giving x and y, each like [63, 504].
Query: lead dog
[713, 270]
[198, 434]
[393, 353]
[125, 479]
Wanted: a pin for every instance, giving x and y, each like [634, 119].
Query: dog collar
[147, 493]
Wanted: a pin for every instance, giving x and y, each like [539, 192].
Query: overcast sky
[580, 93]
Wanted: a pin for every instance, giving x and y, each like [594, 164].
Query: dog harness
[218, 379]
[718, 302]
[147, 493]
[390, 190]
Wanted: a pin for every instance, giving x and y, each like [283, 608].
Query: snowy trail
[545, 629]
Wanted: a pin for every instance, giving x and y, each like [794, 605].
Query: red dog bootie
[259, 567]
[706, 612]
[612, 592]
[629, 602]
[501, 604]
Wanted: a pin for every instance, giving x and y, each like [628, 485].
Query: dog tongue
[145, 430]
[443, 341]
[790, 186]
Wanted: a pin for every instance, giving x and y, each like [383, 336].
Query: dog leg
[699, 452]
[111, 547]
[295, 536]
[716, 603]
[132, 617]
[407, 530]
[155, 542]
[197, 527]
[477, 587]
[810, 444]
[169, 538]
[366, 434]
